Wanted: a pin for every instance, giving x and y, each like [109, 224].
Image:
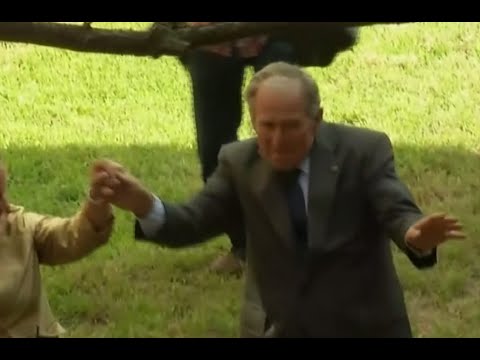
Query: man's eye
[292, 125]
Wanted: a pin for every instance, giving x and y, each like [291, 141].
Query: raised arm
[210, 213]
[61, 240]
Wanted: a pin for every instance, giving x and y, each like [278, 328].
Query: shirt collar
[305, 166]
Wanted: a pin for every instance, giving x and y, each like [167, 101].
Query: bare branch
[156, 41]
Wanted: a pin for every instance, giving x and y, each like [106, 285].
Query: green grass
[60, 110]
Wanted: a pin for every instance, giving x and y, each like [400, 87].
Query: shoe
[227, 264]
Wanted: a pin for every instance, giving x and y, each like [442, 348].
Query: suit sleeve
[210, 213]
[64, 240]
[392, 202]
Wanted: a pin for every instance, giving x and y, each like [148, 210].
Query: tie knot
[288, 178]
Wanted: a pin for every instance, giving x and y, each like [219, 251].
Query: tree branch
[158, 40]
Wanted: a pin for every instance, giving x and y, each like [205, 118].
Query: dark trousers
[217, 83]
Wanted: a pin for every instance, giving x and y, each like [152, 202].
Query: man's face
[285, 132]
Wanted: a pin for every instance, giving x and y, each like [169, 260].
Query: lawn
[61, 110]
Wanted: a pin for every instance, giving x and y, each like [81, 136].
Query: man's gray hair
[289, 71]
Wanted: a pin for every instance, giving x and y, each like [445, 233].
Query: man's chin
[282, 165]
[279, 163]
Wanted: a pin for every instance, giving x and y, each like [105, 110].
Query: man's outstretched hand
[432, 231]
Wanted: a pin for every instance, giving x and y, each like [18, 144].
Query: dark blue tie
[296, 206]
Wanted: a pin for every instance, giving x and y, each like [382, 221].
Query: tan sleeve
[64, 240]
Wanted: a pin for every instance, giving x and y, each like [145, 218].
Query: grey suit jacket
[346, 285]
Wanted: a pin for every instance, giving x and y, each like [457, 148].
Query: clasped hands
[112, 184]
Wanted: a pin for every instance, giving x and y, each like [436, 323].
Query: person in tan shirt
[29, 240]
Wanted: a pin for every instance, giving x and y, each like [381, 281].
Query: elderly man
[320, 202]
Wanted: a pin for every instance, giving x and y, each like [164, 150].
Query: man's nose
[278, 138]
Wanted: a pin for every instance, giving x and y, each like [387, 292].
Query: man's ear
[254, 126]
[318, 119]
[320, 115]
[252, 119]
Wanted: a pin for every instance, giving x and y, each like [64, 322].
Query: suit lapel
[267, 190]
[324, 171]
